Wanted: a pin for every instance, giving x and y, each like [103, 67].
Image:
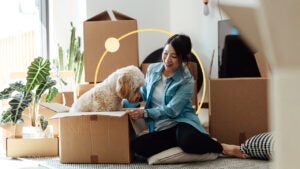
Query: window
[23, 35]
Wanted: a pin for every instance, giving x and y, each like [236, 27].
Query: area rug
[220, 163]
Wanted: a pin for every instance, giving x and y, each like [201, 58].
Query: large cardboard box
[84, 88]
[239, 106]
[94, 137]
[96, 31]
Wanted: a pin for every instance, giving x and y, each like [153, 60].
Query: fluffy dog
[107, 95]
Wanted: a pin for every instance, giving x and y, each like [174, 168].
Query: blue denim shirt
[176, 100]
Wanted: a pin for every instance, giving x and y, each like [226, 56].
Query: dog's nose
[139, 98]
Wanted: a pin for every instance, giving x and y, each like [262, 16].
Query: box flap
[245, 19]
[120, 16]
[57, 107]
[139, 126]
[73, 114]
[261, 62]
[262, 65]
[101, 16]
[110, 16]
[211, 63]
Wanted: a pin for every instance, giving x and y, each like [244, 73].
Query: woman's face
[170, 59]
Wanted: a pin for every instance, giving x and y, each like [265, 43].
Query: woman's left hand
[135, 114]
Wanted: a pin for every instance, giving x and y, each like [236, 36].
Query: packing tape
[93, 117]
[94, 159]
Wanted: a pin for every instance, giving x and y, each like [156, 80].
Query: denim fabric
[177, 95]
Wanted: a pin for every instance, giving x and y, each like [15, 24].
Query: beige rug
[220, 163]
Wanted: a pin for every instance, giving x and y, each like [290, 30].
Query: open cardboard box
[239, 106]
[93, 137]
[97, 30]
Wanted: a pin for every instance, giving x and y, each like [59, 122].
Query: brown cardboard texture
[94, 137]
[96, 31]
[239, 106]
[84, 88]
[20, 147]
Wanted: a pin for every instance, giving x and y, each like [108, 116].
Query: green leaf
[47, 84]
[79, 69]
[72, 49]
[51, 94]
[37, 73]
[44, 123]
[61, 58]
[7, 92]
[6, 116]
[18, 105]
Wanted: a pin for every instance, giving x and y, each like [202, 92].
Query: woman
[168, 110]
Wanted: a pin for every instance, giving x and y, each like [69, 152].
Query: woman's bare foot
[232, 150]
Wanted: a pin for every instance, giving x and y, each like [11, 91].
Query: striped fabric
[260, 146]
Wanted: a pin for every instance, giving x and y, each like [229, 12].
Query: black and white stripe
[260, 146]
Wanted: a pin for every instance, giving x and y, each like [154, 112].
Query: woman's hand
[135, 114]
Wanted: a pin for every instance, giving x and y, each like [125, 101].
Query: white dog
[107, 95]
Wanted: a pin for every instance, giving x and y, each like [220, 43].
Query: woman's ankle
[232, 150]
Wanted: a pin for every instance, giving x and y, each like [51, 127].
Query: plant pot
[37, 132]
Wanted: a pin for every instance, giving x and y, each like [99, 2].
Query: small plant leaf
[7, 92]
[44, 123]
[6, 116]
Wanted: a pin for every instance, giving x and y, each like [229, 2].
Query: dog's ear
[123, 86]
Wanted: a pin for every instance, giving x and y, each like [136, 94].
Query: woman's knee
[186, 143]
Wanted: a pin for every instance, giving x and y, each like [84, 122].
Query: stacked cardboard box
[239, 106]
[100, 137]
[96, 31]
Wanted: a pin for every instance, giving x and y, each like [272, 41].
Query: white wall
[62, 13]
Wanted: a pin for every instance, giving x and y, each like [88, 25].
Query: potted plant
[71, 59]
[38, 82]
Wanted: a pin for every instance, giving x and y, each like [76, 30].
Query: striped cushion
[260, 146]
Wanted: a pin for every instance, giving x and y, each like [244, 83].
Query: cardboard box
[20, 147]
[13, 134]
[239, 106]
[96, 31]
[94, 137]
[84, 88]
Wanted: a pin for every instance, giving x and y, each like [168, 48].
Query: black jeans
[183, 135]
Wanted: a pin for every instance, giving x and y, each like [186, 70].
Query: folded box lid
[74, 114]
[63, 111]
[110, 16]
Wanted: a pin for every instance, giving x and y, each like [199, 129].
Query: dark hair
[182, 45]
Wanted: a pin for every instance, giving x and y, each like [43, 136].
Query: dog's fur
[107, 95]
